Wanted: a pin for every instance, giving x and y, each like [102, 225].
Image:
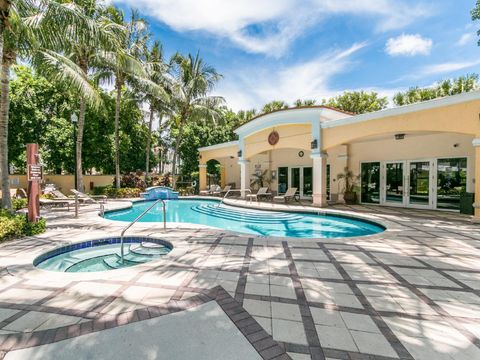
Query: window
[282, 179]
[451, 182]
[370, 182]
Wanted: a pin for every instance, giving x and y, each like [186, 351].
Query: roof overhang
[219, 146]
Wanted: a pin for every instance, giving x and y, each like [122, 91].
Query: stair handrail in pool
[232, 190]
[138, 218]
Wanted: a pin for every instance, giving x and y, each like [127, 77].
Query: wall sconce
[274, 174]
[314, 144]
[399, 136]
[239, 153]
[456, 145]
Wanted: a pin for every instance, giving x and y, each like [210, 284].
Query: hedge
[112, 192]
[16, 225]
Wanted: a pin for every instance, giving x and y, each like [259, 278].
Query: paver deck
[412, 292]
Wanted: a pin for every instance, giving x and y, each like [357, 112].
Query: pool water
[101, 256]
[249, 221]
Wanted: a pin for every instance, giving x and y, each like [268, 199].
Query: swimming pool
[250, 221]
[103, 254]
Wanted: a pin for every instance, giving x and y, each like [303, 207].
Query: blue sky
[288, 49]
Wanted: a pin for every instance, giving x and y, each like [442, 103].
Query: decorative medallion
[273, 138]
[301, 153]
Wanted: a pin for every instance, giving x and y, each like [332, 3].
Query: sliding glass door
[370, 183]
[451, 182]
[394, 183]
[419, 194]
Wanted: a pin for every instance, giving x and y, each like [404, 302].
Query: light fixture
[399, 136]
[239, 153]
[456, 145]
[314, 144]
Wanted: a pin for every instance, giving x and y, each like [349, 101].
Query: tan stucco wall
[460, 118]
[63, 182]
[218, 154]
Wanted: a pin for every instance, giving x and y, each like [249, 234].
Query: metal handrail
[138, 218]
[232, 190]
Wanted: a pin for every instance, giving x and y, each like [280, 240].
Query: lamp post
[74, 120]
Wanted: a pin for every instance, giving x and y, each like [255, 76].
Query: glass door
[419, 194]
[282, 180]
[295, 178]
[394, 183]
[307, 182]
[370, 183]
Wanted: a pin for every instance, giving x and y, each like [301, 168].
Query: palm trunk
[175, 152]
[118, 86]
[149, 143]
[80, 127]
[4, 108]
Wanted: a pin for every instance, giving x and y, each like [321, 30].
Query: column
[244, 176]
[202, 177]
[223, 180]
[319, 179]
[476, 144]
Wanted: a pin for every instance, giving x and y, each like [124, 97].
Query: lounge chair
[222, 192]
[261, 192]
[209, 191]
[59, 195]
[288, 196]
[84, 198]
[49, 203]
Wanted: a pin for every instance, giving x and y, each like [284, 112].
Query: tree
[84, 52]
[274, 105]
[156, 70]
[306, 102]
[123, 65]
[357, 102]
[442, 88]
[193, 80]
[31, 29]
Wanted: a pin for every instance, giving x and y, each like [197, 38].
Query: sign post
[34, 177]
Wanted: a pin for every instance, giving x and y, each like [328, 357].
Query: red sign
[35, 172]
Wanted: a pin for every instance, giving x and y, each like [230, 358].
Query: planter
[350, 198]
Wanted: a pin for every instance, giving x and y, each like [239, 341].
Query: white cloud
[270, 26]
[465, 39]
[408, 45]
[253, 87]
[444, 68]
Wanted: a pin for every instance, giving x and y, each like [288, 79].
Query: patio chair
[84, 198]
[209, 191]
[59, 195]
[222, 192]
[49, 203]
[263, 191]
[288, 196]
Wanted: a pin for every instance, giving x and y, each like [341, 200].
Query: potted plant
[260, 179]
[350, 181]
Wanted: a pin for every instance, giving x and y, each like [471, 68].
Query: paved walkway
[411, 292]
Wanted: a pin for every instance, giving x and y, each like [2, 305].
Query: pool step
[246, 216]
[148, 250]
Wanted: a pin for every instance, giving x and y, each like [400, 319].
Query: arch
[296, 136]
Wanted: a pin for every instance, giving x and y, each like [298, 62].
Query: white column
[476, 205]
[319, 179]
[244, 176]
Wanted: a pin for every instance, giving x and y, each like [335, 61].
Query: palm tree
[156, 70]
[274, 105]
[31, 29]
[85, 50]
[193, 80]
[306, 102]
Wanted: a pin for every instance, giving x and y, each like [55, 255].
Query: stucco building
[422, 155]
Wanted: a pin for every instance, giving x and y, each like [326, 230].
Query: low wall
[64, 182]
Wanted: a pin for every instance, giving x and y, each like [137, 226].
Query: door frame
[300, 189]
[432, 184]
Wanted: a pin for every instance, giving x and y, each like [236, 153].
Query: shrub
[112, 192]
[15, 225]
[132, 180]
[18, 204]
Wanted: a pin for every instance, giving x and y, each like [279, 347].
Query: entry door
[394, 180]
[419, 174]
[295, 178]
[302, 179]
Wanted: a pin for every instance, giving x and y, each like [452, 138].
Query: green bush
[112, 192]
[16, 225]
[18, 204]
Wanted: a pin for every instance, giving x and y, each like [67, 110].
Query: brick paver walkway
[411, 292]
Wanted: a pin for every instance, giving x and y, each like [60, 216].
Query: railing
[138, 218]
[233, 190]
